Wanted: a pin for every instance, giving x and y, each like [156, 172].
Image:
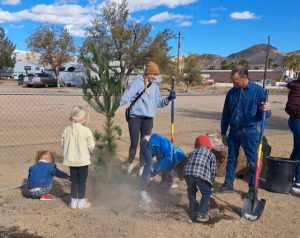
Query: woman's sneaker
[202, 218]
[131, 166]
[145, 197]
[296, 188]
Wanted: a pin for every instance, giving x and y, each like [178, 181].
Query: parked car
[270, 82]
[40, 79]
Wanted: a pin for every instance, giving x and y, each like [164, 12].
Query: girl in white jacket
[77, 143]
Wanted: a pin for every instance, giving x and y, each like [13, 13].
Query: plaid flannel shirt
[201, 163]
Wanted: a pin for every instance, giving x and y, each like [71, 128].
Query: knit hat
[151, 68]
[202, 140]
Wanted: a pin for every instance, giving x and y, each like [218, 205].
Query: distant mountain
[208, 60]
[296, 52]
[254, 55]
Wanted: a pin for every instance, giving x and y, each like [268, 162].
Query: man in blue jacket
[167, 156]
[243, 110]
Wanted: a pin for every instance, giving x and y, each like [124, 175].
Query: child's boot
[74, 203]
[83, 203]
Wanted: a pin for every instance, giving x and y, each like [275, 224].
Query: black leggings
[138, 126]
[78, 181]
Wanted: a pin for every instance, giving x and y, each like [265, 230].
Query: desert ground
[33, 119]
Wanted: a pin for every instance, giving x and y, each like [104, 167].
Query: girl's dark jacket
[293, 103]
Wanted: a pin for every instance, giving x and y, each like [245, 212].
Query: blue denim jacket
[42, 173]
[242, 107]
[167, 155]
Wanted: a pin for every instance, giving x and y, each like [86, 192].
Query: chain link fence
[30, 122]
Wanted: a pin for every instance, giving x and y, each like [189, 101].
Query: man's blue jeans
[195, 183]
[247, 137]
[294, 126]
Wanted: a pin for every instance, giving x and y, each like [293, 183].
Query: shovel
[253, 208]
[172, 110]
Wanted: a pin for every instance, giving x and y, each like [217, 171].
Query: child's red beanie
[202, 140]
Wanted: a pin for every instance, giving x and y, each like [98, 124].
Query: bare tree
[53, 45]
[126, 42]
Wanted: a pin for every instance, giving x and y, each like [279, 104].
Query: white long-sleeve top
[77, 143]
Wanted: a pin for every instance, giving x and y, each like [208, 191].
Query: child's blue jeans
[194, 184]
[38, 192]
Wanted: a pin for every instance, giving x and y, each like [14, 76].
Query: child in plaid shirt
[199, 172]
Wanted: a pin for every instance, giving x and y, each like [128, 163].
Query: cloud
[220, 8]
[185, 24]
[21, 52]
[208, 22]
[55, 14]
[10, 2]
[65, 1]
[138, 5]
[16, 26]
[246, 15]
[75, 30]
[166, 16]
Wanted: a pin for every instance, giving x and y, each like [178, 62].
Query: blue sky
[208, 26]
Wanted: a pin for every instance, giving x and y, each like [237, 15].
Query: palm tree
[291, 63]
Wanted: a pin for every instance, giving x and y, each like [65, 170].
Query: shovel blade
[253, 208]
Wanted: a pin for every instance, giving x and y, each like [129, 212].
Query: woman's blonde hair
[78, 114]
[44, 155]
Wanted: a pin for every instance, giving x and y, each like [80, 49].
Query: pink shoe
[171, 183]
[151, 182]
[46, 197]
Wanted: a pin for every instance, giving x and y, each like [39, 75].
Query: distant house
[24, 67]
[6, 72]
[223, 76]
[72, 73]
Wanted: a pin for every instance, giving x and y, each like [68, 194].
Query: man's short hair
[241, 70]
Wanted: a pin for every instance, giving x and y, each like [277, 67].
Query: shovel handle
[259, 149]
[172, 109]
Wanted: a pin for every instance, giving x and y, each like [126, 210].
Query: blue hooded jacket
[148, 103]
[41, 174]
[167, 155]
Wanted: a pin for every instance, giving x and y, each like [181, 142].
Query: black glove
[172, 95]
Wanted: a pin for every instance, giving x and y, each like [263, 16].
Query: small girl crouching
[40, 176]
[77, 143]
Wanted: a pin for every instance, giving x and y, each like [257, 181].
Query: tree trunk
[56, 75]
[109, 133]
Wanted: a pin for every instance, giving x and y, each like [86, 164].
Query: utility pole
[266, 62]
[179, 37]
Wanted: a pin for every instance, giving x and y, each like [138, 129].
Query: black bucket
[280, 174]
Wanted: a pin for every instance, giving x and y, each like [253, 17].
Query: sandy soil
[32, 122]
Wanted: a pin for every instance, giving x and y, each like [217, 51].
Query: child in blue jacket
[167, 156]
[41, 175]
